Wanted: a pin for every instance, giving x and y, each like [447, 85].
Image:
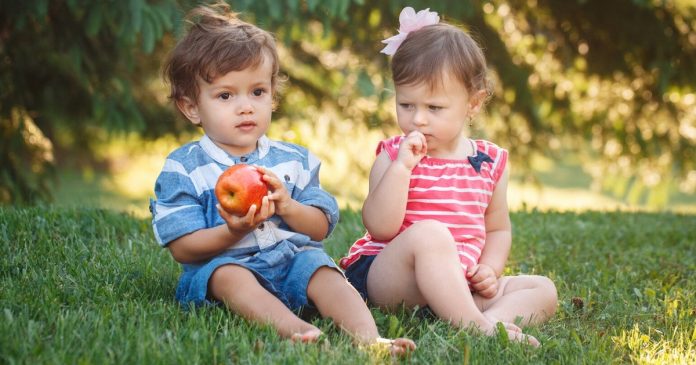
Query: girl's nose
[419, 118]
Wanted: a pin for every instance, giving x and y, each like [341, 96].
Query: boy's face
[235, 109]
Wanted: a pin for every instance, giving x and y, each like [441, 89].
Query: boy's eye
[434, 107]
[406, 106]
[258, 92]
[224, 96]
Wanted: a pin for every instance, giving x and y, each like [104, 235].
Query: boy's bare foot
[309, 336]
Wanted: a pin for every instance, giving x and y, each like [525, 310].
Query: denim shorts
[357, 274]
[284, 271]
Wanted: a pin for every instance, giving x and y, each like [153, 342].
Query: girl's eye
[406, 106]
[259, 92]
[434, 107]
[225, 96]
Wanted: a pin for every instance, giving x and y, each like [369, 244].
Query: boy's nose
[245, 107]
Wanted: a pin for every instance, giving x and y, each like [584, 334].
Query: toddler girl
[438, 227]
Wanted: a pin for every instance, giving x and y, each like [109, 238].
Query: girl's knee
[546, 289]
[546, 285]
[431, 231]
[429, 226]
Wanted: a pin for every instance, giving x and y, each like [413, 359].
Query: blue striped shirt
[185, 192]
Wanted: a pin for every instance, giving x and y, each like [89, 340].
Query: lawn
[91, 286]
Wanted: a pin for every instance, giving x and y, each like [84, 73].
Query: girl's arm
[385, 206]
[498, 228]
[484, 275]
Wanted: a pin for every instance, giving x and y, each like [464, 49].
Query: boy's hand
[412, 149]
[483, 279]
[279, 195]
[240, 226]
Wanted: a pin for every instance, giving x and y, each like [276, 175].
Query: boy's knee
[230, 277]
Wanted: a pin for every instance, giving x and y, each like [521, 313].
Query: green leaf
[94, 21]
[136, 13]
[148, 36]
[502, 334]
[312, 4]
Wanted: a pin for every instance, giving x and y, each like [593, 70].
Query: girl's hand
[483, 279]
[240, 226]
[412, 149]
[279, 195]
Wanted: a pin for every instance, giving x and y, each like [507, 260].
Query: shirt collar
[220, 156]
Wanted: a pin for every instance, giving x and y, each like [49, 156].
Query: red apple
[239, 187]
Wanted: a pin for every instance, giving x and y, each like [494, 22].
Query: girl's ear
[476, 101]
[189, 109]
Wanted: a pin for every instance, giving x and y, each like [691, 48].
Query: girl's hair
[217, 42]
[428, 52]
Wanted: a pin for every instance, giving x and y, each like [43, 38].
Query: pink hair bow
[409, 21]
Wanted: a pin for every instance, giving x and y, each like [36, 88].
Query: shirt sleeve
[499, 163]
[177, 210]
[390, 146]
[312, 194]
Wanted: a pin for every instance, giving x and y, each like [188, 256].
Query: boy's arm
[208, 242]
[302, 218]
[306, 219]
[202, 244]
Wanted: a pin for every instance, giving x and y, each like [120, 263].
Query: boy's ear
[189, 109]
[476, 101]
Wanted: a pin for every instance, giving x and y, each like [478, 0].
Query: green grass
[90, 286]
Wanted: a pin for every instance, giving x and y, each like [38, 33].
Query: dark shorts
[357, 274]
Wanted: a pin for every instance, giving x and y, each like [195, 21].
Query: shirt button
[287, 178]
[243, 159]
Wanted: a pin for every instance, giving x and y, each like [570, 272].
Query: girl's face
[439, 113]
[235, 109]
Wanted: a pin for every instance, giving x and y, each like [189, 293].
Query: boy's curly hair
[215, 43]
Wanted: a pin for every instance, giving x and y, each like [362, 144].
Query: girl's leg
[531, 297]
[421, 267]
[238, 288]
[334, 297]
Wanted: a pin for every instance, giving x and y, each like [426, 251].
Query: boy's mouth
[246, 125]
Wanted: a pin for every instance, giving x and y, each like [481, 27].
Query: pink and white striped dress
[449, 191]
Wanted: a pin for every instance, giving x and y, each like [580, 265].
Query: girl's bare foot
[309, 336]
[397, 347]
[524, 338]
[514, 333]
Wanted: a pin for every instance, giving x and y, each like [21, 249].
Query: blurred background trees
[612, 82]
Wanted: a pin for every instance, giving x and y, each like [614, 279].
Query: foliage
[92, 286]
[74, 70]
[611, 81]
